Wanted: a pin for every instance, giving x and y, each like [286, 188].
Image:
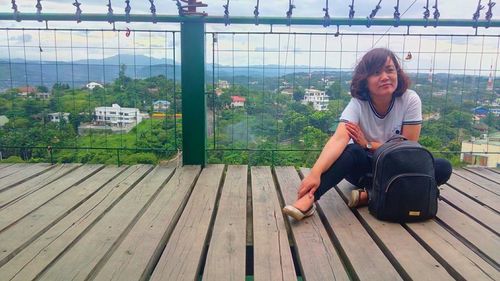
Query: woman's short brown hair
[373, 61]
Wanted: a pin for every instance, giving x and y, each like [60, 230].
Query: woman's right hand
[309, 185]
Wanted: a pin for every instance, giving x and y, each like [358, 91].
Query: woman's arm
[330, 153]
[411, 132]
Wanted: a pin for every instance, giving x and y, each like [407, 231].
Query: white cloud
[293, 48]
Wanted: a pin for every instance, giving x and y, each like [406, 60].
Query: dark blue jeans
[355, 163]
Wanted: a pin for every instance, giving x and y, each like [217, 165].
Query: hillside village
[301, 104]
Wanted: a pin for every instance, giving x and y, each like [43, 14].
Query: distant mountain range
[80, 72]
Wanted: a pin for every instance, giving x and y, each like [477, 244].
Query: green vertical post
[194, 122]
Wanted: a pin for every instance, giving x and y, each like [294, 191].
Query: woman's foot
[304, 207]
[359, 198]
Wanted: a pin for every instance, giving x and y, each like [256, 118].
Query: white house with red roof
[237, 101]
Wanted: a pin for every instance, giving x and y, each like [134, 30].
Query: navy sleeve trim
[412, 122]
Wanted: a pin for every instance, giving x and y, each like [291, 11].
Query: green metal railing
[263, 67]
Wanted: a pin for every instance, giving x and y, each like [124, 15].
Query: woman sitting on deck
[381, 106]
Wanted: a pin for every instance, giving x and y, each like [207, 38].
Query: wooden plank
[22, 190]
[465, 262]
[486, 216]
[43, 251]
[12, 213]
[226, 258]
[486, 173]
[19, 235]
[478, 180]
[272, 256]
[24, 175]
[135, 257]
[494, 170]
[94, 247]
[414, 261]
[365, 257]
[474, 191]
[317, 255]
[5, 165]
[182, 255]
[16, 168]
[483, 239]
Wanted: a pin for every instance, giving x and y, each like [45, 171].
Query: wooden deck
[142, 222]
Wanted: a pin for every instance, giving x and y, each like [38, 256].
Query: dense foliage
[273, 128]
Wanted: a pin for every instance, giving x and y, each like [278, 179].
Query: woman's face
[384, 82]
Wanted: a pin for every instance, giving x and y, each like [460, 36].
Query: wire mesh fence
[79, 95]
[277, 96]
[273, 98]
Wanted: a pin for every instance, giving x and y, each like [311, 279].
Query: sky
[435, 52]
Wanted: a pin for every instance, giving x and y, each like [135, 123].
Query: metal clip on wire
[477, 14]
[78, 13]
[351, 12]
[256, 13]
[373, 14]
[290, 12]
[38, 7]
[397, 14]
[179, 7]
[110, 12]
[436, 13]
[326, 18]
[226, 13]
[127, 11]
[489, 13]
[190, 8]
[427, 13]
[153, 10]
[16, 12]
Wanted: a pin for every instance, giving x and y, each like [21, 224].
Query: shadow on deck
[142, 222]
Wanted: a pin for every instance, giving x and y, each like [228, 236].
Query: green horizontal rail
[250, 20]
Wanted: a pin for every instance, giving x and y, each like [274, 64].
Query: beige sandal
[359, 198]
[297, 214]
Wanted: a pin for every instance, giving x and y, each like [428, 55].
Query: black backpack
[404, 188]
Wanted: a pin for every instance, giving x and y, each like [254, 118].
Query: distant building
[480, 110]
[92, 85]
[483, 111]
[117, 116]
[482, 152]
[57, 116]
[237, 101]
[43, 96]
[3, 120]
[223, 84]
[318, 98]
[154, 90]
[24, 91]
[439, 93]
[495, 111]
[287, 91]
[161, 105]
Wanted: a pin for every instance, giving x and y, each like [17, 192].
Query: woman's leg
[353, 163]
[442, 170]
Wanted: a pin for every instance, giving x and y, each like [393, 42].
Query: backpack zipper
[405, 175]
[386, 151]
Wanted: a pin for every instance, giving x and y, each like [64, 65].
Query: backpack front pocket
[408, 197]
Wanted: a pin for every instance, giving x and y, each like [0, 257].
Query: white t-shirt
[404, 110]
